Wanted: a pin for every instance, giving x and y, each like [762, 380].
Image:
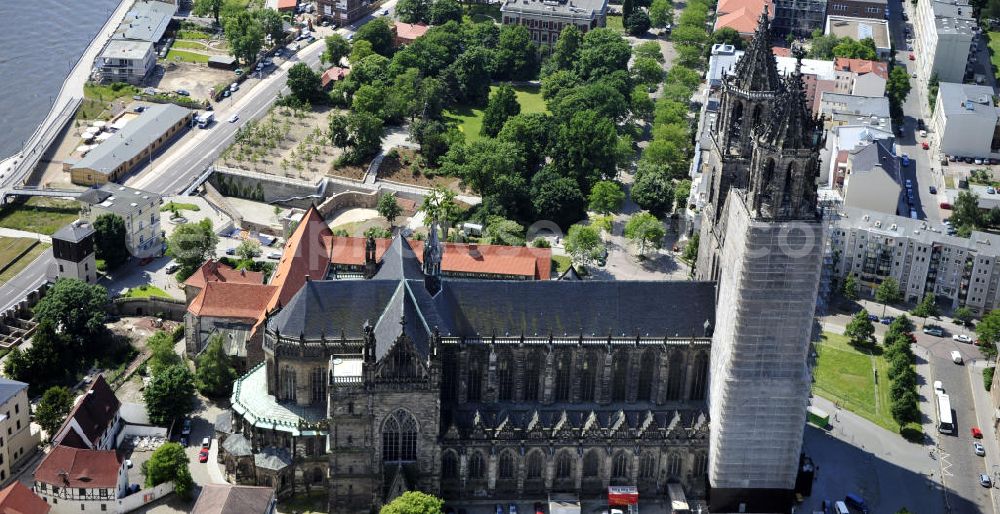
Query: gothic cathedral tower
[765, 250]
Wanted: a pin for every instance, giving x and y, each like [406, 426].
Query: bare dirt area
[403, 165]
[292, 143]
[356, 221]
[197, 79]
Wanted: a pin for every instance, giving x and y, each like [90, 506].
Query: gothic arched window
[736, 122]
[287, 383]
[619, 376]
[700, 464]
[531, 378]
[474, 392]
[700, 377]
[477, 468]
[319, 385]
[588, 377]
[786, 198]
[399, 437]
[535, 464]
[674, 465]
[563, 366]
[647, 466]
[591, 464]
[564, 466]
[506, 465]
[675, 377]
[449, 465]
[505, 377]
[619, 466]
[646, 371]
[449, 371]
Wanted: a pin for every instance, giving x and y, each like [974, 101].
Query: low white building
[943, 34]
[965, 120]
[125, 61]
[72, 480]
[140, 210]
[840, 109]
[861, 28]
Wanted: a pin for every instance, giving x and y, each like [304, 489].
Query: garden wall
[261, 187]
[167, 308]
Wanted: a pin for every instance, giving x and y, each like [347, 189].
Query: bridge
[39, 191]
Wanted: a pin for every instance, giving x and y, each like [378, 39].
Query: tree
[531, 134]
[469, 76]
[628, 7]
[647, 71]
[482, 162]
[76, 308]
[567, 48]
[727, 36]
[501, 231]
[439, 206]
[502, 105]
[645, 230]
[821, 47]
[966, 215]
[304, 82]
[584, 244]
[606, 197]
[208, 7]
[988, 328]
[443, 11]
[388, 208]
[888, 292]
[691, 250]
[682, 190]
[360, 133]
[853, 49]
[247, 251]
[637, 23]
[897, 88]
[516, 56]
[413, 502]
[413, 11]
[904, 409]
[688, 35]
[378, 32]
[245, 36]
[109, 240]
[215, 372]
[191, 244]
[337, 47]
[653, 190]
[850, 289]
[602, 52]
[649, 50]
[926, 307]
[169, 463]
[359, 51]
[53, 408]
[162, 354]
[661, 12]
[585, 148]
[170, 394]
[963, 315]
[270, 23]
[557, 199]
[860, 329]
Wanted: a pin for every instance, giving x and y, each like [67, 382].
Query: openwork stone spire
[757, 70]
[793, 126]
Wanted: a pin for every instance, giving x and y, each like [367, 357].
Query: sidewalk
[984, 419]
[9, 232]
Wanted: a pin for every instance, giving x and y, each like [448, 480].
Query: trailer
[205, 119]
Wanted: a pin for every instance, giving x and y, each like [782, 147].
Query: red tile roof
[862, 66]
[407, 32]
[72, 467]
[492, 259]
[741, 15]
[95, 412]
[333, 74]
[233, 499]
[232, 300]
[350, 251]
[305, 253]
[214, 271]
[779, 51]
[18, 499]
[286, 4]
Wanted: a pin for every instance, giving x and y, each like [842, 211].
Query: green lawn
[108, 92]
[616, 23]
[181, 55]
[146, 291]
[995, 48]
[11, 248]
[179, 206]
[470, 119]
[844, 375]
[562, 263]
[40, 215]
[189, 44]
[192, 34]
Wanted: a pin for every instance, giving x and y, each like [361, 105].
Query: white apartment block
[965, 121]
[17, 442]
[943, 33]
[125, 61]
[959, 271]
[139, 209]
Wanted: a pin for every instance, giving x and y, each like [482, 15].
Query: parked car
[274, 255]
[933, 330]
[499, 509]
[945, 205]
[206, 442]
[234, 118]
[978, 434]
[925, 146]
[977, 447]
[511, 508]
[856, 502]
[203, 455]
[184, 441]
[932, 190]
[187, 426]
[539, 508]
[905, 160]
[938, 387]
[962, 338]
[183, 92]
[990, 190]
[920, 124]
[230, 251]
[984, 480]
[957, 359]
[873, 318]
[171, 269]
[913, 57]
[238, 71]
[923, 133]
[887, 320]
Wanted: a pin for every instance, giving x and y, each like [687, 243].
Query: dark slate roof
[74, 232]
[273, 458]
[94, 196]
[325, 308]
[399, 262]
[401, 315]
[237, 446]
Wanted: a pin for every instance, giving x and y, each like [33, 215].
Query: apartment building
[125, 61]
[17, 442]
[943, 33]
[922, 257]
[874, 9]
[799, 17]
[966, 121]
[839, 109]
[139, 209]
[545, 19]
[343, 12]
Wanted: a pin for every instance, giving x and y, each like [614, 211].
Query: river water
[40, 42]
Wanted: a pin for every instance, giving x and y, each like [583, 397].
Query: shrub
[988, 377]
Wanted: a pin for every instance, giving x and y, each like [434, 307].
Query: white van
[938, 387]
[956, 357]
[840, 508]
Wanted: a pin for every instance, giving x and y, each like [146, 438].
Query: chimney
[307, 277]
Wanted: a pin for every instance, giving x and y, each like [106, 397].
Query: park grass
[146, 291]
[843, 374]
[995, 49]
[313, 503]
[561, 263]
[193, 45]
[39, 214]
[192, 34]
[108, 92]
[12, 247]
[616, 23]
[182, 56]
[470, 119]
[25, 259]
[179, 206]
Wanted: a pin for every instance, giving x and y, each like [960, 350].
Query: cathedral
[473, 389]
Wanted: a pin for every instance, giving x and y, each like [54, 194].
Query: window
[506, 467]
[562, 377]
[505, 378]
[475, 380]
[674, 378]
[647, 466]
[287, 383]
[535, 464]
[619, 380]
[350, 407]
[700, 377]
[619, 466]
[646, 370]
[60, 268]
[700, 464]
[399, 437]
[318, 385]
[83, 491]
[104, 506]
[476, 466]
[564, 466]
[531, 378]
[674, 465]
[591, 464]
[588, 373]
[449, 465]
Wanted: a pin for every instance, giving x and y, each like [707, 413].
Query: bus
[946, 425]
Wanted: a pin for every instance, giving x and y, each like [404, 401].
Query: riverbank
[72, 89]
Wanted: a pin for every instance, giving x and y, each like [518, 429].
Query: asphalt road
[176, 168]
[30, 277]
